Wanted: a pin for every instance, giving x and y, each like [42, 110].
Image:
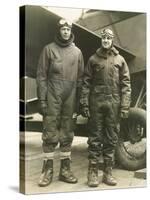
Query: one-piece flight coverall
[106, 91]
[59, 75]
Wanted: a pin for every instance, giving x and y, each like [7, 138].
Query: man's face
[107, 42]
[65, 32]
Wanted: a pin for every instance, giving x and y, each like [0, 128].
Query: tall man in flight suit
[105, 98]
[59, 76]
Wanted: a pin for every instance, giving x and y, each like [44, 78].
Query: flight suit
[59, 75]
[106, 91]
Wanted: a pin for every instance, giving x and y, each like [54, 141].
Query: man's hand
[124, 114]
[43, 108]
[43, 111]
[85, 111]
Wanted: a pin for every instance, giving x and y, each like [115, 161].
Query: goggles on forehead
[63, 22]
[107, 32]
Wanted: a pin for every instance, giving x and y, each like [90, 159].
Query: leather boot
[66, 175]
[47, 173]
[107, 176]
[93, 180]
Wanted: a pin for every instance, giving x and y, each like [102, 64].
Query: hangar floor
[33, 164]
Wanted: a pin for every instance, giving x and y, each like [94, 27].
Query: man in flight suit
[105, 98]
[59, 76]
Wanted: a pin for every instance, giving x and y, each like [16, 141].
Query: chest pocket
[99, 71]
[99, 67]
[116, 69]
[56, 65]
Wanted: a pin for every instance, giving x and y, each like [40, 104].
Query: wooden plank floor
[33, 164]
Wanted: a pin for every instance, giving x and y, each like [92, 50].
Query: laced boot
[66, 175]
[47, 173]
[93, 180]
[107, 176]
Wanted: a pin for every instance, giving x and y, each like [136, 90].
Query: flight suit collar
[63, 43]
[101, 52]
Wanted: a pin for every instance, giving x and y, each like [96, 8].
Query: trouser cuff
[64, 155]
[48, 156]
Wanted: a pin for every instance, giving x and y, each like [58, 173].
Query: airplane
[37, 28]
